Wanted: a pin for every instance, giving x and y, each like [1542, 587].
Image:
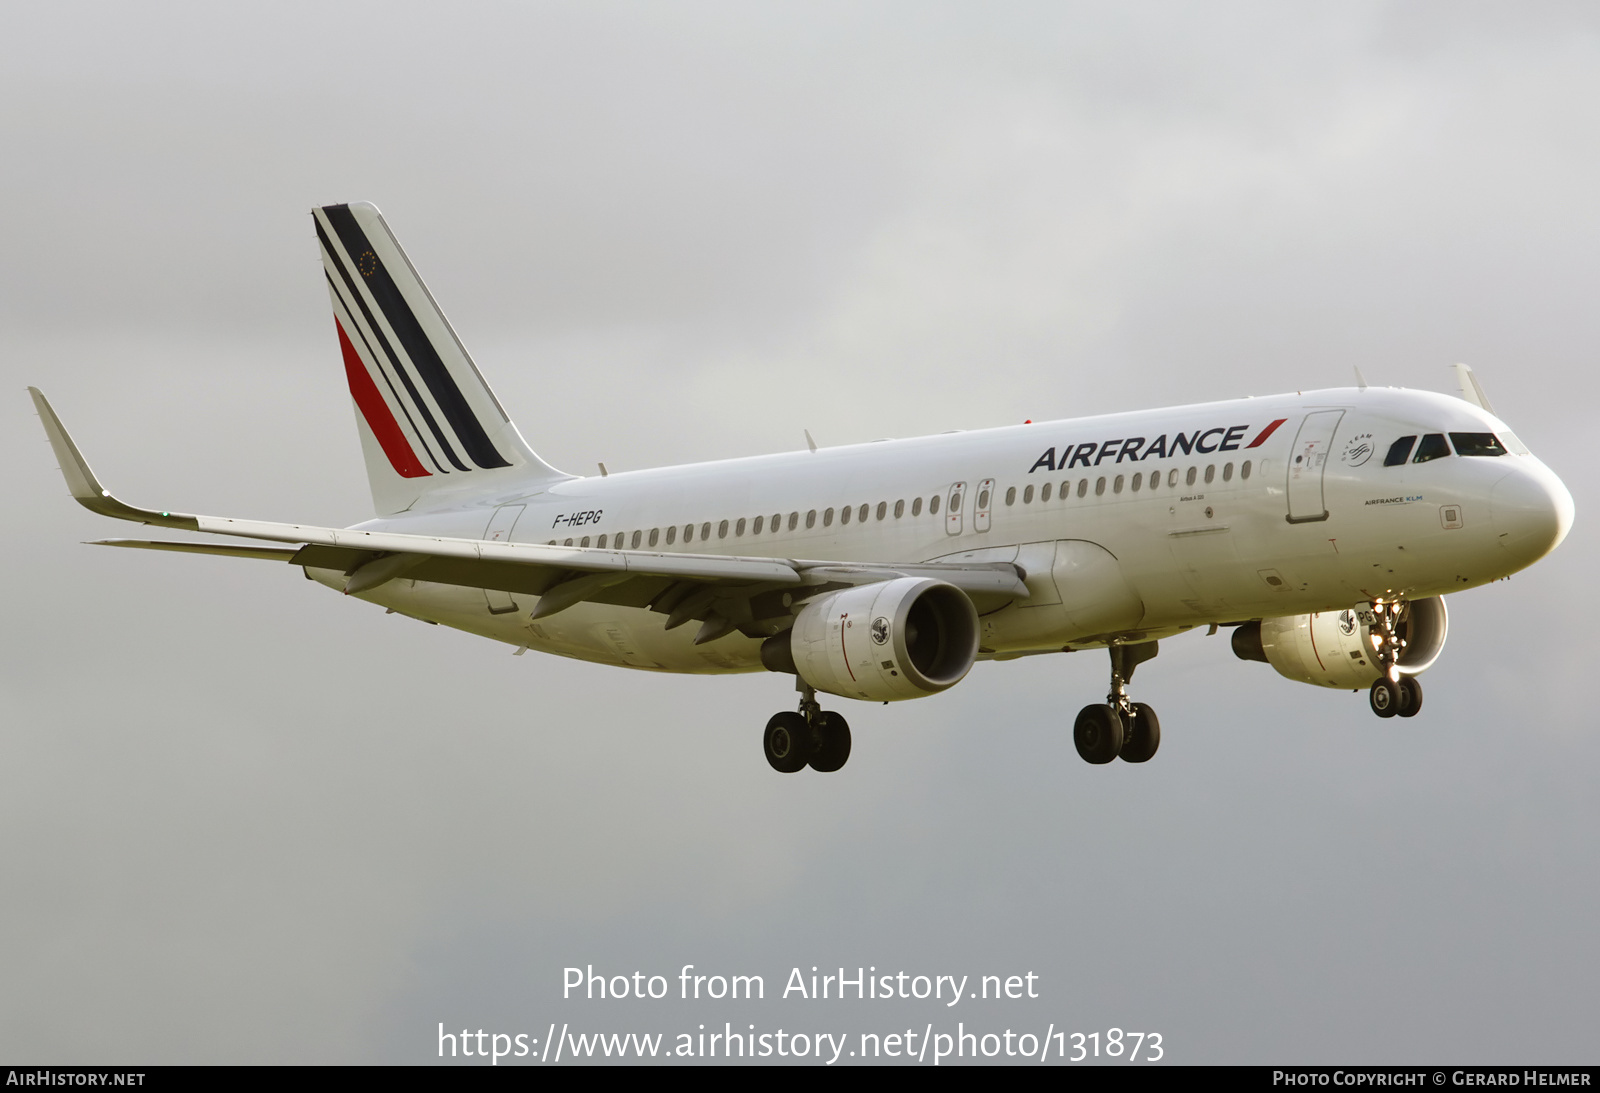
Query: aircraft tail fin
[429, 424]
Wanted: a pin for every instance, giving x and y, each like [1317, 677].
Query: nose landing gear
[1393, 694]
[1119, 728]
[811, 737]
[1396, 699]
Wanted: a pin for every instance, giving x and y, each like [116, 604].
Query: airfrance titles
[1136, 448]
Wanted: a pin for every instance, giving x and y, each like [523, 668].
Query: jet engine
[906, 638]
[1339, 648]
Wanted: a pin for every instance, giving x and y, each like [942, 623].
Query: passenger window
[811, 519]
[1027, 496]
[1244, 471]
[1477, 444]
[688, 533]
[777, 522]
[883, 509]
[1155, 479]
[1211, 473]
[755, 528]
[672, 534]
[983, 499]
[845, 514]
[899, 509]
[933, 505]
[567, 543]
[1138, 480]
[738, 529]
[584, 541]
[1399, 451]
[602, 543]
[1188, 479]
[794, 520]
[1227, 472]
[1116, 487]
[1172, 478]
[705, 530]
[1044, 492]
[827, 518]
[722, 530]
[1065, 490]
[862, 515]
[655, 535]
[955, 501]
[1011, 495]
[636, 537]
[1099, 487]
[916, 506]
[1083, 486]
[1433, 446]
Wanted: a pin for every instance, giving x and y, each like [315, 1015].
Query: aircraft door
[1307, 461]
[500, 524]
[499, 531]
[952, 509]
[980, 510]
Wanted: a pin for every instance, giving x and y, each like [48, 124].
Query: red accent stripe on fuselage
[1268, 431]
[369, 400]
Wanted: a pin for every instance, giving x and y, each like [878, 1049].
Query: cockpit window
[1433, 446]
[1399, 451]
[1477, 444]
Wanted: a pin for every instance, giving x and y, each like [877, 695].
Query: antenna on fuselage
[1361, 381]
[812, 444]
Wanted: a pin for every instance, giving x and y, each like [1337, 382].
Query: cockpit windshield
[1477, 444]
[1434, 446]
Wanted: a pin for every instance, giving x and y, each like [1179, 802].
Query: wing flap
[226, 550]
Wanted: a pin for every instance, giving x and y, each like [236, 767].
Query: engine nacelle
[1335, 648]
[906, 638]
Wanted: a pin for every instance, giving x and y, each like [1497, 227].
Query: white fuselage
[1122, 527]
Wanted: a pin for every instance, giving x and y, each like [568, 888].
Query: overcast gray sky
[243, 820]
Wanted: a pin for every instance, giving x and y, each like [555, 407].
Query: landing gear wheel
[834, 748]
[788, 742]
[1098, 733]
[1144, 735]
[1410, 696]
[1385, 698]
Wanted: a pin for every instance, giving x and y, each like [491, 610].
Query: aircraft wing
[751, 594]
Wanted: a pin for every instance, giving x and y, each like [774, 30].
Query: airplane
[1324, 528]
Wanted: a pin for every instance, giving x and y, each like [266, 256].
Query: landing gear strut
[810, 736]
[1393, 694]
[1121, 727]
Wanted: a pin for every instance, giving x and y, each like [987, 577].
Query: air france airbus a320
[1323, 527]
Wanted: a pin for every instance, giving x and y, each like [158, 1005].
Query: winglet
[86, 488]
[1471, 389]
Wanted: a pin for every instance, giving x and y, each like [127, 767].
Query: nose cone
[1532, 511]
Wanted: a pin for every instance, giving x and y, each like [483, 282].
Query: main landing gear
[811, 737]
[1120, 728]
[1393, 694]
